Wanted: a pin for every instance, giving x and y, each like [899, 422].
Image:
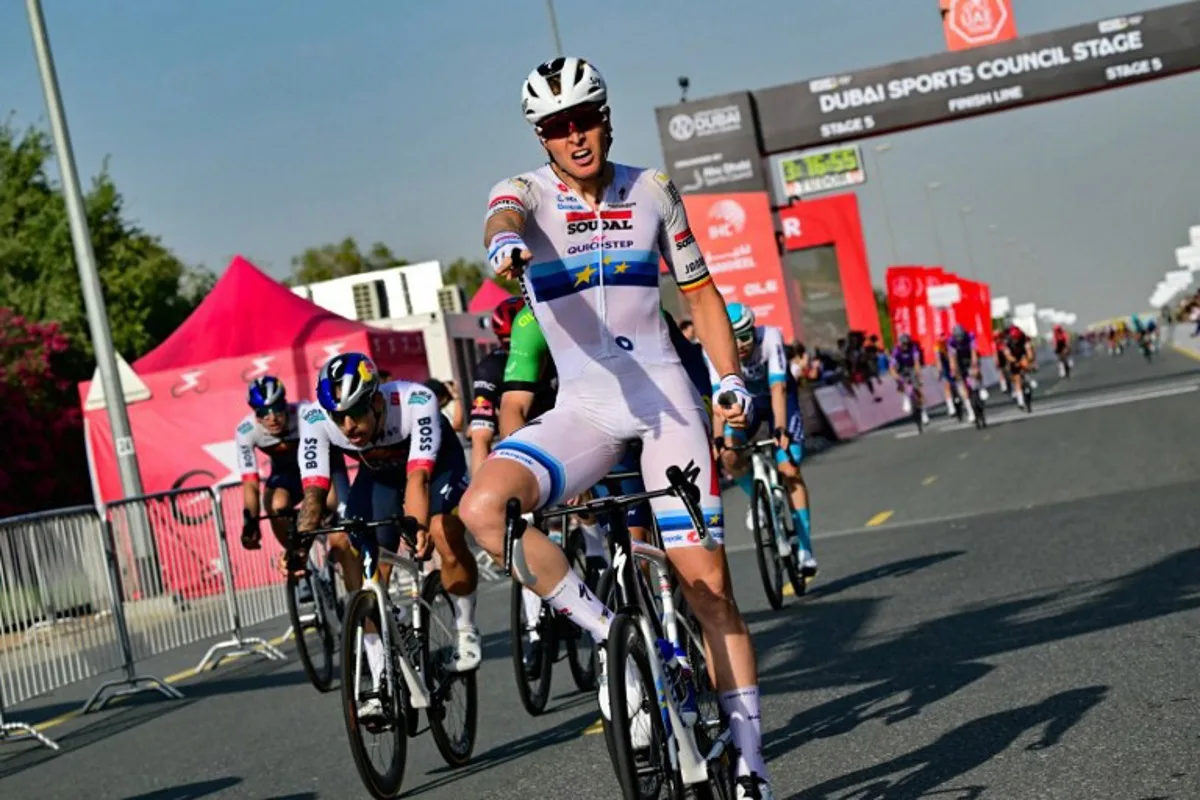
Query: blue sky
[266, 126]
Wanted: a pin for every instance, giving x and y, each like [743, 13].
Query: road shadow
[188, 791]
[565, 731]
[961, 750]
[131, 711]
[897, 569]
[897, 677]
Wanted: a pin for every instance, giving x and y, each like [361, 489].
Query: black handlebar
[409, 527]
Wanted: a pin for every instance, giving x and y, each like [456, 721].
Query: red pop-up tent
[248, 326]
[489, 295]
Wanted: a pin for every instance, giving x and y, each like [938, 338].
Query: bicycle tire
[722, 772]
[581, 648]
[764, 541]
[362, 607]
[320, 677]
[533, 692]
[791, 563]
[455, 750]
[637, 781]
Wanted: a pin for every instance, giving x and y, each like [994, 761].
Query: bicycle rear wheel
[712, 722]
[383, 781]
[316, 654]
[454, 698]
[765, 546]
[533, 682]
[643, 774]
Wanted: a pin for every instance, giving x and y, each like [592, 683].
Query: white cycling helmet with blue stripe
[741, 317]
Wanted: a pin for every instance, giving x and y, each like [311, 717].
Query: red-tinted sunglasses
[565, 123]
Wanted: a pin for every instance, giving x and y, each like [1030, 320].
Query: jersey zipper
[602, 305]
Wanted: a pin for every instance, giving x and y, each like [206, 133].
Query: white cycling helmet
[559, 84]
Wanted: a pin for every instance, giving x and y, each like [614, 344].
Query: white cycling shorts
[576, 443]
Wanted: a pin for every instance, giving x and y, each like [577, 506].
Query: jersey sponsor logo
[425, 432]
[394, 398]
[693, 269]
[522, 183]
[590, 246]
[684, 239]
[310, 452]
[419, 398]
[245, 427]
[591, 225]
[313, 416]
[525, 319]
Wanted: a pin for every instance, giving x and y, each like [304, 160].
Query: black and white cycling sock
[573, 598]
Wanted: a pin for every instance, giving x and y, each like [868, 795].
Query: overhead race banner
[825, 169]
[1111, 53]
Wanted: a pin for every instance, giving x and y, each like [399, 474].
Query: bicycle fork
[415, 682]
[770, 478]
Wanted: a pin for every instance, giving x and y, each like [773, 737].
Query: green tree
[331, 261]
[470, 276]
[147, 290]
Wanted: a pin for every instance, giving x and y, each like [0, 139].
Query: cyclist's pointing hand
[508, 254]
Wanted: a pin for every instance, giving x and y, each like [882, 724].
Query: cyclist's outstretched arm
[508, 204]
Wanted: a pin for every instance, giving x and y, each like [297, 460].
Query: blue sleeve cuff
[776, 377]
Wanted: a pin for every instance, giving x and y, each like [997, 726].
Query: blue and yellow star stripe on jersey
[554, 279]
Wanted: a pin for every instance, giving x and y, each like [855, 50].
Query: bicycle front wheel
[533, 679]
[454, 705]
[765, 546]
[643, 772]
[383, 776]
[791, 560]
[316, 652]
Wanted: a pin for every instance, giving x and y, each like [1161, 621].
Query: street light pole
[880, 149]
[85, 259]
[554, 27]
[930, 188]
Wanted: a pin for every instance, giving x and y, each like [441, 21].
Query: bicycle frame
[419, 695]
[683, 751]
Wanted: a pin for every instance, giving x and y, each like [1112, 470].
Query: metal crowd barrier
[180, 588]
[60, 617]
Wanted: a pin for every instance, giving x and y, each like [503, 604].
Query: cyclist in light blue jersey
[776, 405]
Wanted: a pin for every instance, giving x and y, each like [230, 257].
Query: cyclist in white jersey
[410, 463]
[592, 233]
[777, 407]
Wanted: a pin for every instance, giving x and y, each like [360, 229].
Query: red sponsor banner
[835, 220]
[906, 301]
[975, 23]
[737, 236]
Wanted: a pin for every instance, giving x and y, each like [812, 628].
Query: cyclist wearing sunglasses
[272, 428]
[410, 463]
[776, 405]
[588, 235]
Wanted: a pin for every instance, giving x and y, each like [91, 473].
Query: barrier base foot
[144, 683]
[234, 648]
[19, 732]
[290, 633]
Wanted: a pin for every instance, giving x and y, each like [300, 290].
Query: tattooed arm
[311, 508]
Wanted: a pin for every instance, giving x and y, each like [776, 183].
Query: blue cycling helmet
[346, 381]
[265, 391]
[742, 320]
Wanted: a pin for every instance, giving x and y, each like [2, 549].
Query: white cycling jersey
[410, 436]
[593, 280]
[251, 436]
[766, 365]
[593, 285]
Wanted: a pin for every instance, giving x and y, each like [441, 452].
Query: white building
[410, 298]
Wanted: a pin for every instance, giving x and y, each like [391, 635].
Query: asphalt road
[1020, 621]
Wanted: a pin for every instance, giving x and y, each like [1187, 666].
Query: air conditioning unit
[370, 300]
[452, 299]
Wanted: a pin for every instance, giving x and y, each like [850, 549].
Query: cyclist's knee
[482, 508]
[280, 500]
[339, 541]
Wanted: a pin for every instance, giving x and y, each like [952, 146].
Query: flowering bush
[41, 425]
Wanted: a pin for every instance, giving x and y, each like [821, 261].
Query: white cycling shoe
[467, 651]
[639, 725]
[370, 709]
[753, 787]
